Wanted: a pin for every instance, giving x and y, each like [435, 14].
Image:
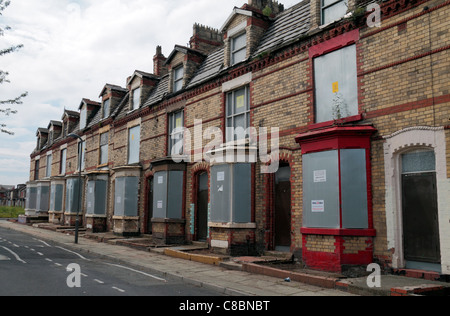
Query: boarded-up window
[48, 171]
[335, 189]
[168, 194]
[105, 112]
[83, 118]
[104, 148]
[176, 123]
[126, 196]
[333, 10]
[72, 197]
[63, 161]
[81, 151]
[336, 86]
[134, 141]
[136, 99]
[231, 200]
[56, 197]
[96, 197]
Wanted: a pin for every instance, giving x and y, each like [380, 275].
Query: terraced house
[360, 116]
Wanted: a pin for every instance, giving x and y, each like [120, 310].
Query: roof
[287, 27]
[70, 113]
[88, 102]
[212, 65]
[159, 92]
[235, 12]
[112, 87]
[142, 74]
[184, 50]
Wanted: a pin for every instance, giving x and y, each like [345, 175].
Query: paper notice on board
[318, 206]
[320, 176]
[335, 87]
[240, 102]
[160, 204]
[160, 180]
[221, 176]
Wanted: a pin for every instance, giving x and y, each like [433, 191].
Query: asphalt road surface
[33, 267]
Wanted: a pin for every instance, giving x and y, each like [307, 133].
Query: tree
[4, 104]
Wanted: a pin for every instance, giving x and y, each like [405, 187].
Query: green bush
[11, 212]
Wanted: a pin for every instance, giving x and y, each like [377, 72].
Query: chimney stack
[205, 39]
[159, 69]
[262, 5]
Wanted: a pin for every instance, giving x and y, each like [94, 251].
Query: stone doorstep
[316, 280]
[207, 259]
[419, 290]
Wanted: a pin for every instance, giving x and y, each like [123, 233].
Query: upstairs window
[62, 168]
[83, 118]
[48, 171]
[238, 114]
[238, 48]
[36, 170]
[105, 111]
[178, 74]
[136, 100]
[176, 123]
[336, 85]
[104, 148]
[134, 141]
[81, 151]
[333, 10]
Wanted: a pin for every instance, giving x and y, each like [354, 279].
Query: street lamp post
[77, 219]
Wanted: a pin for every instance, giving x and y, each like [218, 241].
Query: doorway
[149, 205]
[421, 239]
[202, 206]
[282, 209]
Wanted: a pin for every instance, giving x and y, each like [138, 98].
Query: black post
[77, 219]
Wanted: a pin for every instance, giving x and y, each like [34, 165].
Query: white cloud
[72, 48]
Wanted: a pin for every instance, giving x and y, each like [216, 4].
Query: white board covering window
[105, 112]
[336, 85]
[333, 10]
[81, 151]
[134, 141]
[63, 161]
[176, 123]
[104, 148]
[48, 171]
[136, 99]
[83, 118]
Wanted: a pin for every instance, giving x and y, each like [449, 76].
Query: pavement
[237, 281]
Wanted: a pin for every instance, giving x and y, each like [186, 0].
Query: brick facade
[403, 71]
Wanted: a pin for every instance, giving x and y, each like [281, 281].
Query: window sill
[339, 232]
[350, 119]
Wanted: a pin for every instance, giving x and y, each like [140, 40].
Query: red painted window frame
[337, 138]
[334, 44]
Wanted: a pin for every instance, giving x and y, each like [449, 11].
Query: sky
[73, 48]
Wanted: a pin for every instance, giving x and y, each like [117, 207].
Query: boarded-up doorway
[282, 214]
[420, 210]
[202, 207]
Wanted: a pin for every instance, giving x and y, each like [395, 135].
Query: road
[33, 267]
